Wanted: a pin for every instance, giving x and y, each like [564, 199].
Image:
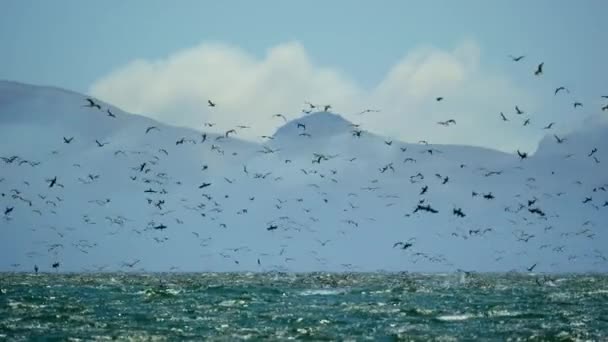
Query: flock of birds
[155, 194]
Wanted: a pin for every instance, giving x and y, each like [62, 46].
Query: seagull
[227, 134]
[539, 69]
[526, 122]
[110, 114]
[605, 108]
[592, 152]
[52, 181]
[210, 104]
[438, 98]
[531, 268]
[404, 245]
[516, 59]
[160, 227]
[447, 123]
[458, 212]
[577, 104]
[504, 118]
[558, 139]
[67, 141]
[522, 155]
[558, 89]
[280, 116]
[549, 125]
[519, 111]
[151, 128]
[93, 104]
[100, 144]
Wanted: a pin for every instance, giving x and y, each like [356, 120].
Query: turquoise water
[276, 306]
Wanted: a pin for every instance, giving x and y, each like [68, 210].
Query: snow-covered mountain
[319, 194]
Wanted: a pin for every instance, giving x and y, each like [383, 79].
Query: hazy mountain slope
[344, 212]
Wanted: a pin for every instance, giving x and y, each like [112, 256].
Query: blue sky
[74, 44]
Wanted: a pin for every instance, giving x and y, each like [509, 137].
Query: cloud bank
[250, 90]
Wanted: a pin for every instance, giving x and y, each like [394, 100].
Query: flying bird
[593, 151]
[93, 104]
[519, 111]
[280, 116]
[67, 141]
[539, 69]
[52, 181]
[151, 128]
[447, 122]
[558, 139]
[516, 59]
[549, 125]
[577, 104]
[210, 104]
[110, 114]
[522, 155]
[458, 212]
[504, 118]
[558, 89]
[99, 144]
[402, 245]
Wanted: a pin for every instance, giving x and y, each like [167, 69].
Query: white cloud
[249, 91]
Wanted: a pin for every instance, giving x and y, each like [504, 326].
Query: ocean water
[314, 307]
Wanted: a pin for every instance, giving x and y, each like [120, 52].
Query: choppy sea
[313, 306]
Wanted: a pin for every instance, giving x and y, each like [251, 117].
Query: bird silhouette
[458, 212]
[92, 104]
[558, 89]
[516, 59]
[151, 128]
[522, 155]
[549, 125]
[210, 103]
[558, 139]
[67, 141]
[402, 245]
[539, 69]
[280, 116]
[100, 144]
